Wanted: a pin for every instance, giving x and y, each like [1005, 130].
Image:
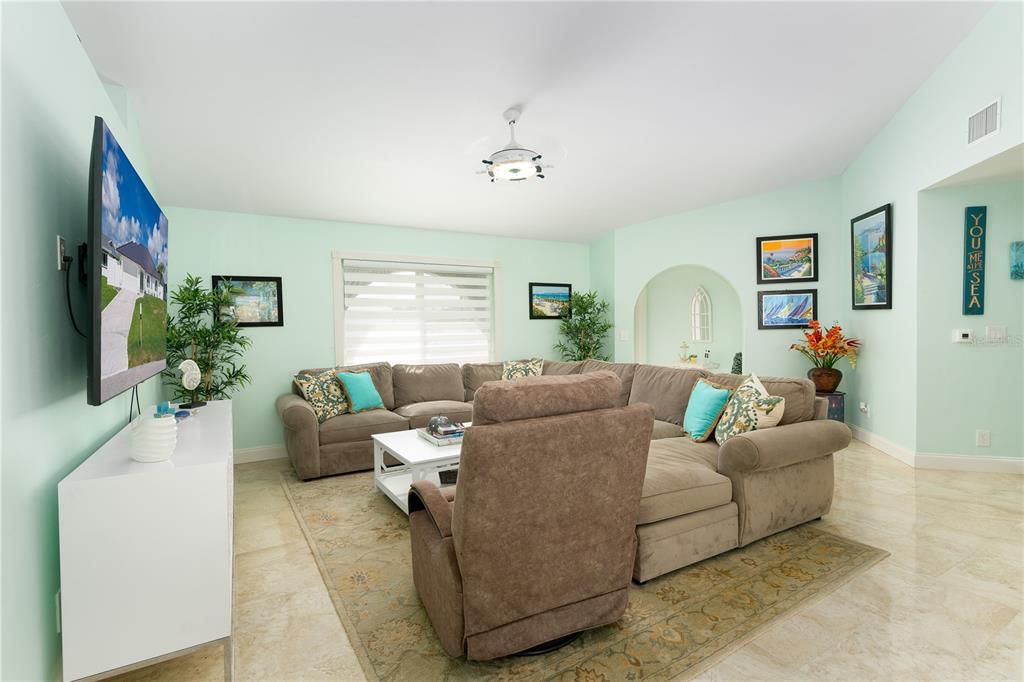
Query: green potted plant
[584, 328]
[196, 332]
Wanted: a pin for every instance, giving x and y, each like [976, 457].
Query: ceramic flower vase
[826, 379]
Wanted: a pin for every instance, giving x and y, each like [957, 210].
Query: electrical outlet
[56, 601]
[60, 254]
[997, 335]
[983, 439]
[865, 409]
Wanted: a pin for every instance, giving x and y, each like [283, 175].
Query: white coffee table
[419, 460]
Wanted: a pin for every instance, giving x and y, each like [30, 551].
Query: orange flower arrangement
[825, 349]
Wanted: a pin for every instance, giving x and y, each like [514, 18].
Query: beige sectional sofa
[698, 499]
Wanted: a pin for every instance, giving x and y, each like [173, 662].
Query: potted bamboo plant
[197, 332]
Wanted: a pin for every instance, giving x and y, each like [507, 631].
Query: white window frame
[338, 284]
[696, 323]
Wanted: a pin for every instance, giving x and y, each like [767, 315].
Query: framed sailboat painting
[792, 309]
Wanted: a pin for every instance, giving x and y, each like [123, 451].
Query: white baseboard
[894, 450]
[999, 465]
[945, 462]
[260, 454]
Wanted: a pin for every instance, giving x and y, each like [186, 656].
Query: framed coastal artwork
[1016, 260]
[789, 309]
[548, 301]
[256, 301]
[871, 255]
[788, 258]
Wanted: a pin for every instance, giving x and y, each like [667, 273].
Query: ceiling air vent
[983, 123]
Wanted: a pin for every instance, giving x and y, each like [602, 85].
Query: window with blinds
[416, 312]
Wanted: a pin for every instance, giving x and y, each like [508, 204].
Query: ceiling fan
[513, 162]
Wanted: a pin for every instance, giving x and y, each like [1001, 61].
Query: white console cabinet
[145, 551]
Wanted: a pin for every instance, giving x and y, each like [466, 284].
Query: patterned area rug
[679, 623]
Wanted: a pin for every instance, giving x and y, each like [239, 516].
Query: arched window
[700, 316]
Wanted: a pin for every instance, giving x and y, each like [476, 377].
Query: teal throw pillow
[360, 393]
[707, 402]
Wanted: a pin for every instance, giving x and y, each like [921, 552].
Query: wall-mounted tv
[127, 273]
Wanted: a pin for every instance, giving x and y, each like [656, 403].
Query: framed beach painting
[256, 301]
[788, 258]
[871, 255]
[790, 309]
[548, 301]
[1016, 260]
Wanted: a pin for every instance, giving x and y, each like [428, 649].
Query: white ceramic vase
[154, 438]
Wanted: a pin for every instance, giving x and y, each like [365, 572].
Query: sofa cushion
[360, 393]
[704, 409]
[475, 374]
[667, 389]
[380, 372]
[666, 430]
[681, 479]
[324, 393]
[358, 426]
[799, 394]
[519, 369]
[424, 383]
[750, 408]
[560, 368]
[534, 397]
[624, 370]
[419, 414]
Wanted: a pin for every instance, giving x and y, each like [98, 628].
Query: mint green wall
[50, 94]
[669, 295]
[979, 384]
[602, 279]
[207, 242]
[924, 143]
[722, 238]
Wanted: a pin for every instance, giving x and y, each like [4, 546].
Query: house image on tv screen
[131, 267]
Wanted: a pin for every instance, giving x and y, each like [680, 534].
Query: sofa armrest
[302, 435]
[426, 496]
[820, 408]
[295, 412]
[782, 445]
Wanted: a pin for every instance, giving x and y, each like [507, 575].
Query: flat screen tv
[127, 273]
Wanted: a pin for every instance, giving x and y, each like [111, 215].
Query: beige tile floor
[946, 605]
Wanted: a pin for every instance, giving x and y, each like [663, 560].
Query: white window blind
[416, 312]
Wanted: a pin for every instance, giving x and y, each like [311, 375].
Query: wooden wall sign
[974, 260]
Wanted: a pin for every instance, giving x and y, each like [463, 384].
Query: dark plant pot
[826, 379]
[191, 406]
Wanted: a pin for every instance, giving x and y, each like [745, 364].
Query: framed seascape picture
[548, 301]
[792, 309]
[788, 258]
[256, 301]
[1016, 260]
[871, 254]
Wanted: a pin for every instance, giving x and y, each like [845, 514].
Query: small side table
[836, 405]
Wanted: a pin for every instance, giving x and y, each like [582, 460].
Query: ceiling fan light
[512, 162]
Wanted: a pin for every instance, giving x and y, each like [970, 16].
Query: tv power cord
[67, 292]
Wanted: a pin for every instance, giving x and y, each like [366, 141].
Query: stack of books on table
[446, 435]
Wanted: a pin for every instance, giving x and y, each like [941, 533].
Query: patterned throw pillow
[517, 369]
[323, 393]
[749, 409]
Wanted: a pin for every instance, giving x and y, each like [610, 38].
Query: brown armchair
[539, 540]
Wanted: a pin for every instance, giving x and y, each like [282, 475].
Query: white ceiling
[381, 112]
